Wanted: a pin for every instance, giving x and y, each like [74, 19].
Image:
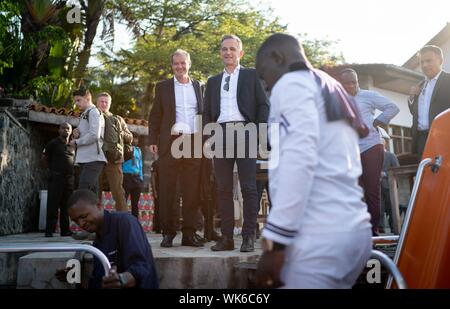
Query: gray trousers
[89, 175]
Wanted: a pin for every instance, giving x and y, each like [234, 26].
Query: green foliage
[50, 90]
[320, 52]
[41, 50]
[196, 26]
[9, 29]
[44, 57]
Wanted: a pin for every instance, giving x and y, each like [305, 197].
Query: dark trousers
[89, 175]
[421, 142]
[188, 171]
[60, 187]
[223, 168]
[133, 187]
[260, 186]
[372, 163]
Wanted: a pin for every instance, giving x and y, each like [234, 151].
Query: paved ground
[154, 239]
[178, 267]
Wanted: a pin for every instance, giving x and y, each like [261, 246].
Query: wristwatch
[269, 245]
[123, 280]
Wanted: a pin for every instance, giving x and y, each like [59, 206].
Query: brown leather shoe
[224, 244]
[191, 241]
[167, 240]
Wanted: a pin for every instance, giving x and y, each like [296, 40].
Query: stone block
[37, 270]
[213, 272]
[9, 262]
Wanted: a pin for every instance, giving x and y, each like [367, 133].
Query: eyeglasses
[226, 87]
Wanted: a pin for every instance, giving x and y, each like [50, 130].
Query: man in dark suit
[430, 98]
[173, 119]
[235, 98]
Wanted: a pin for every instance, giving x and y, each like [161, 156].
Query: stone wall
[20, 174]
[23, 135]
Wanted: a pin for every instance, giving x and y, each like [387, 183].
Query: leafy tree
[9, 29]
[194, 25]
[45, 56]
[197, 26]
[42, 42]
[320, 52]
[48, 54]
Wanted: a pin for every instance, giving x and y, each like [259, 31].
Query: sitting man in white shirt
[318, 233]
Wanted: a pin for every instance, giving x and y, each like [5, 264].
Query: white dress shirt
[186, 108]
[314, 181]
[229, 110]
[424, 103]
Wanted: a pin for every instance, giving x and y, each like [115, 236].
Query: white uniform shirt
[186, 108]
[229, 110]
[314, 187]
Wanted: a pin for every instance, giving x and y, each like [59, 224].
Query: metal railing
[56, 247]
[391, 267]
[385, 239]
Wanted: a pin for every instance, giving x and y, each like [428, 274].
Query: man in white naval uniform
[318, 233]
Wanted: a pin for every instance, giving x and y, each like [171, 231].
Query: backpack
[113, 147]
[128, 152]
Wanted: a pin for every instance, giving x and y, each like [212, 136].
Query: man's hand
[61, 274]
[414, 91]
[44, 160]
[377, 123]
[111, 281]
[269, 268]
[154, 149]
[76, 133]
[72, 143]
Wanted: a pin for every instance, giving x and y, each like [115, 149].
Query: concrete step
[178, 267]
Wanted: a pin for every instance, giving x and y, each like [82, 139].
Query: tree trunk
[94, 11]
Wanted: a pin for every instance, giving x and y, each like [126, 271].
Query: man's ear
[277, 57]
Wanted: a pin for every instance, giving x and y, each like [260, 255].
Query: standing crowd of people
[326, 183]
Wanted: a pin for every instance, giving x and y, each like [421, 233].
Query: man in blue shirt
[121, 238]
[370, 147]
[133, 179]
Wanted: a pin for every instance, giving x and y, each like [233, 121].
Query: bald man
[318, 233]
[371, 146]
[59, 156]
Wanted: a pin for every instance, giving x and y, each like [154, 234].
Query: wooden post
[393, 174]
[395, 205]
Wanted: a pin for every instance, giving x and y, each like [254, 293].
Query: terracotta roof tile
[66, 112]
